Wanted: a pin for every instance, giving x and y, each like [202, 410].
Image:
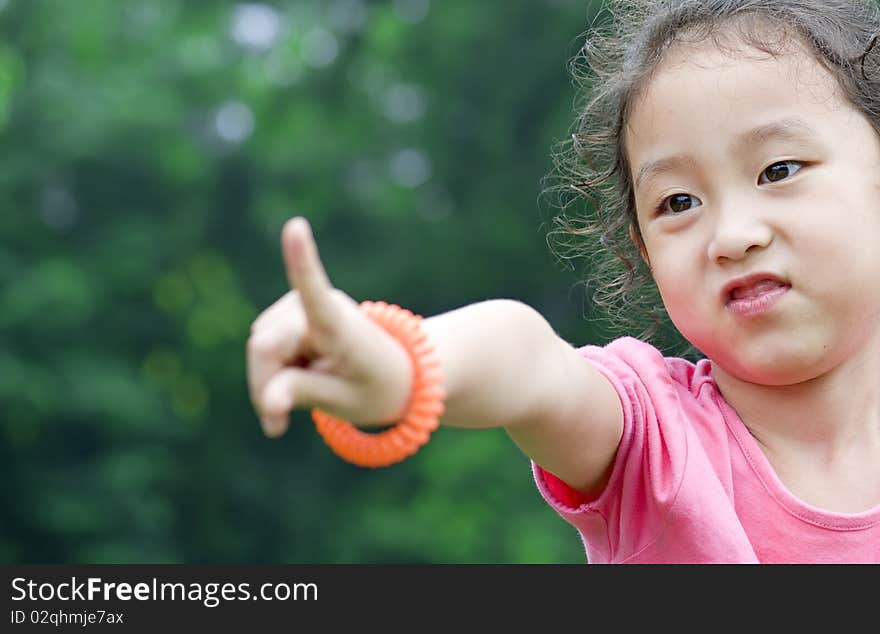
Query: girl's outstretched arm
[503, 366]
[506, 367]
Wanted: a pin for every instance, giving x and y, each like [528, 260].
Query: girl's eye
[677, 204]
[780, 171]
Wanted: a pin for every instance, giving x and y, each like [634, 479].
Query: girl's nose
[736, 232]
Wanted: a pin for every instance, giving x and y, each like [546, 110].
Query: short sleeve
[650, 461]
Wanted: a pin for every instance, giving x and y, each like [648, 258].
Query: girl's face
[749, 164]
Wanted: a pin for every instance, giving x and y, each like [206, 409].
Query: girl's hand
[315, 348]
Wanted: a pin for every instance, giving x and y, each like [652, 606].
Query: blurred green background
[152, 150]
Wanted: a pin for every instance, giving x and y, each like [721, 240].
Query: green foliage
[152, 151]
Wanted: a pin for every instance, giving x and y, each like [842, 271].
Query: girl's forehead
[739, 55]
[706, 104]
[692, 74]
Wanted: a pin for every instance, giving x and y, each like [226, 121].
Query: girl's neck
[821, 436]
[828, 413]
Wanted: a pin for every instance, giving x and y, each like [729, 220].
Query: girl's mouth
[757, 298]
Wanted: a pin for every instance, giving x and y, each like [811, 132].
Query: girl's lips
[755, 290]
[759, 298]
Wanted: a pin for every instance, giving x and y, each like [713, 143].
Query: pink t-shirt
[690, 484]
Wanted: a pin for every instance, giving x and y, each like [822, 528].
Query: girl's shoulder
[638, 358]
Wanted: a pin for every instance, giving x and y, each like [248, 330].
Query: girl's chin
[769, 367]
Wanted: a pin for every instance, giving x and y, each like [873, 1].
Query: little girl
[733, 147]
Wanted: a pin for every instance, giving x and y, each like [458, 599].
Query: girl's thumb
[298, 388]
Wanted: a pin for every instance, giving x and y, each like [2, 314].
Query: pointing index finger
[305, 272]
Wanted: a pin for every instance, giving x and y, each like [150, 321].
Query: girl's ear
[636, 237]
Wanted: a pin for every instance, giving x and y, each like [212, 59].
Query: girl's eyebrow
[788, 129]
[665, 164]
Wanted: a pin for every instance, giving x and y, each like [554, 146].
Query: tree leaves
[152, 151]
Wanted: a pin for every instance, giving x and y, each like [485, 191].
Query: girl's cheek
[671, 294]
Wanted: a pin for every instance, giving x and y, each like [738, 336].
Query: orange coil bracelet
[422, 413]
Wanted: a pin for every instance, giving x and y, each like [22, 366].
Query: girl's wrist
[395, 393]
[422, 394]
